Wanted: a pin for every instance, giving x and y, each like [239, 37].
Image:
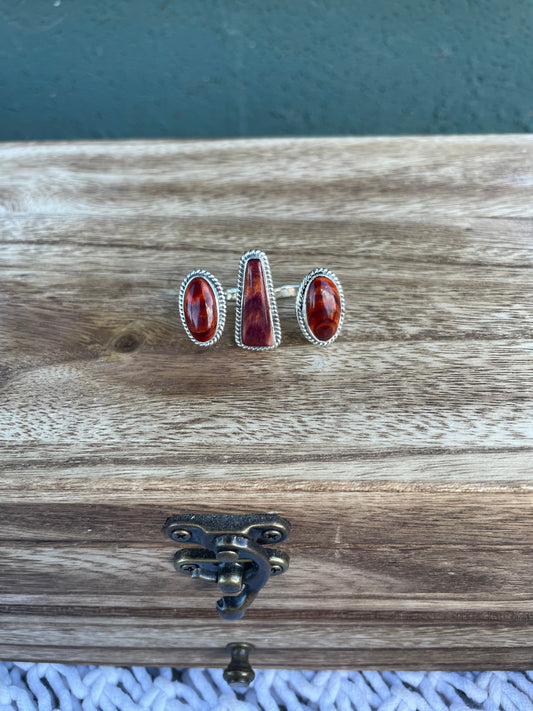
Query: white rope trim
[60, 687]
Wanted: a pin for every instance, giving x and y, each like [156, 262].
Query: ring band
[280, 292]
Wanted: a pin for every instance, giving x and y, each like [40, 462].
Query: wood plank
[153, 633]
[450, 395]
[318, 516]
[463, 240]
[453, 658]
[414, 396]
[405, 610]
[301, 177]
[30, 472]
[319, 582]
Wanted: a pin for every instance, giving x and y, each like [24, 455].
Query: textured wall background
[193, 68]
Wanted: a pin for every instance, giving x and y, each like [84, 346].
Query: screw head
[276, 569]
[188, 568]
[272, 535]
[180, 535]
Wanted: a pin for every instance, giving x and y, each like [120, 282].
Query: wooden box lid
[401, 453]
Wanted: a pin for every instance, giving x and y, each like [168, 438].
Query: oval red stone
[323, 308]
[200, 307]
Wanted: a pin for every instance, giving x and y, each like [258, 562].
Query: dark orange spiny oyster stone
[200, 307]
[323, 308]
[256, 322]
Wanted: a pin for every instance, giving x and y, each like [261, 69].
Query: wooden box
[401, 454]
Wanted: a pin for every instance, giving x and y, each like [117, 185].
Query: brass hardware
[232, 555]
[239, 673]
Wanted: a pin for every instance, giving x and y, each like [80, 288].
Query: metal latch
[233, 554]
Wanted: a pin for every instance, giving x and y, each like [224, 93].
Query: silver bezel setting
[301, 313]
[220, 300]
[256, 254]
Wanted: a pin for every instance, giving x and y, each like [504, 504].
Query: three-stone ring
[202, 305]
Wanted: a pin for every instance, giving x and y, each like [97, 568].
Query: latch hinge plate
[233, 554]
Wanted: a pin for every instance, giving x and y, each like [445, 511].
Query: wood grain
[402, 454]
[349, 579]
[451, 658]
[153, 475]
[318, 177]
[286, 635]
[377, 517]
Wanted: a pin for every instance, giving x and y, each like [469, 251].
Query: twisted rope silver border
[301, 314]
[220, 300]
[256, 254]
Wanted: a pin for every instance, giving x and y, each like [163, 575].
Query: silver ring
[202, 307]
[320, 305]
[257, 326]
[327, 317]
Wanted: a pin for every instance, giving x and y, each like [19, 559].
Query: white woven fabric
[60, 687]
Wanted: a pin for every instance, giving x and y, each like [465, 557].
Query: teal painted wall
[209, 68]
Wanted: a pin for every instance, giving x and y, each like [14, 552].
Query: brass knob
[239, 673]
